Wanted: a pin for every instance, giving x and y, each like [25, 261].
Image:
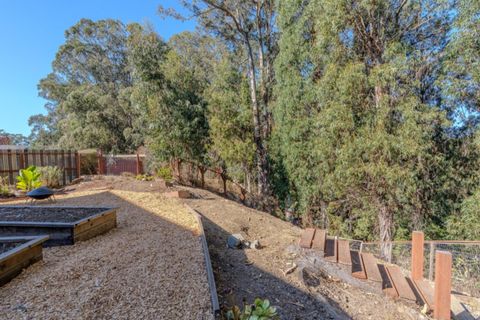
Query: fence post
[99, 161]
[10, 170]
[63, 167]
[430, 261]
[41, 158]
[22, 159]
[78, 163]
[417, 255]
[138, 165]
[25, 157]
[443, 285]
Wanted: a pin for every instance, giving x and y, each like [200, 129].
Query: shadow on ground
[238, 279]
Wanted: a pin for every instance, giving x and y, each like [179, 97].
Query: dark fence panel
[12, 161]
[118, 164]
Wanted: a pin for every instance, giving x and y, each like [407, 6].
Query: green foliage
[356, 136]
[144, 177]
[260, 310]
[165, 173]
[172, 95]
[50, 176]
[88, 163]
[466, 224]
[29, 179]
[229, 116]
[4, 187]
[88, 92]
[371, 128]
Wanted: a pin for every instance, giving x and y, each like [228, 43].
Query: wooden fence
[119, 164]
[12, 161]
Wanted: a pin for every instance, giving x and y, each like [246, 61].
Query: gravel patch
[150, 267]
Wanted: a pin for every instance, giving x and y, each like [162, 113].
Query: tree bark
[385, 222]
[260, 152]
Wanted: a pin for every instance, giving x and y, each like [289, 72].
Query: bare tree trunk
[385, 221]
[261, 154]
[202, 175]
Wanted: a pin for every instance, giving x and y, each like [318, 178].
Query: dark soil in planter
[7, 246]
[46, 214]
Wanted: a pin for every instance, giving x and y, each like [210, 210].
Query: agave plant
[260, 310]
[29, 179]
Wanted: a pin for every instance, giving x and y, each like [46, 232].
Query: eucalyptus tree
[229, 116]
[355, 113]
[172, 79]
[247, 26]
[88, 91]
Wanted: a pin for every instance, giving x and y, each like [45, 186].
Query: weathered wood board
[343, 247]
[358, 268]
[307, 238]
[387, 284]
[400, 283]
[13, 261]
[319, 239]
[371, 267]
[331, 250]
[425, 288]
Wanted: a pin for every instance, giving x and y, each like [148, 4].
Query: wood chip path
[150, 267]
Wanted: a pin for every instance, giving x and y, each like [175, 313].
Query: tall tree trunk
[260, 152]
[385, 222]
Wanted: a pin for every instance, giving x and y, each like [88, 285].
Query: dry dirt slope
[252, 273]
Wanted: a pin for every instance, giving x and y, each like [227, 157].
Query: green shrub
[165, 173]
[28, 179]
[144, 177]
[260, 310]
[88, 163]
[50, 176]
[4, 188]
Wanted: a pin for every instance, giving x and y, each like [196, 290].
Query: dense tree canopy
[89, 91]
[360, 116]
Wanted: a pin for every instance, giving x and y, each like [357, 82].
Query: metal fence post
[430, 262]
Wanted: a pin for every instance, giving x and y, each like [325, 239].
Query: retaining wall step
[371, 267]
[307, 238]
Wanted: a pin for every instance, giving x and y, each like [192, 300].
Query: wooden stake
[443, 285]
[417, 255]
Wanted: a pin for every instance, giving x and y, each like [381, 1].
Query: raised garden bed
[63, 225]
[17, 253]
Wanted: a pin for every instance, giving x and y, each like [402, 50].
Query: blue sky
[31, 32]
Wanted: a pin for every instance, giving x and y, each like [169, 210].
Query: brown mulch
[150, 267]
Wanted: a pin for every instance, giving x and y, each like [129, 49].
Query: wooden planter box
[27, 251]
[62, 233]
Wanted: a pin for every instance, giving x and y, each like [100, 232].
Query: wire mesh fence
[465, 261]
[218, 181]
